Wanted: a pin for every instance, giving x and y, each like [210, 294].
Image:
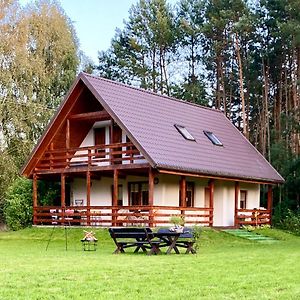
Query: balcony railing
[253, 217]
[120, 216]
[92, 156]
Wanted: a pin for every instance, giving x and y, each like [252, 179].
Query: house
[124, 155]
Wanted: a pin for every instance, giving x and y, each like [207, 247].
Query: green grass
[226, 267]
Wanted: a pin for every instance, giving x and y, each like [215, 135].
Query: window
[138, 193]
[243, 199]
[213, 138]
[120, 194]
[184, 132]
[190, 191]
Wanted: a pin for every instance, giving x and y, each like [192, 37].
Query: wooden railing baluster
[68, 157]
[123, 215]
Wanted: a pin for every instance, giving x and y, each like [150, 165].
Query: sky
[95, 21]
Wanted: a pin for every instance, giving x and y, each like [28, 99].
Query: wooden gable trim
[62, 115]
[91, 116]
[53, 127]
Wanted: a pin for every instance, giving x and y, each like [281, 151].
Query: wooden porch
[115, 215]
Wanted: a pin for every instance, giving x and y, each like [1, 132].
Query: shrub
[18, 204]
[248, 228]
[290, 222]
[48, 192]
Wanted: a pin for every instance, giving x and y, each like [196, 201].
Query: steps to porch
[249, 235]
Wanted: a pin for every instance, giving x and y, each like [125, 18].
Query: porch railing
[92, 156]
[120, 215]
[253, 217]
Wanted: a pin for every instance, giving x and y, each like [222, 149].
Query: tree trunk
[153, 70]
[165, 73]
[238, 55]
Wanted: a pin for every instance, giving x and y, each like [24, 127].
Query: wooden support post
[34, 195]
[270, 201]
[51, 156]
[111, 139]
[89, 158]
[88, 198]
[63, 190]
[211, 200]
[182, 188]
[115, 197]
[68, 134]
[151, 196]
[67, 141]
[63, 195]
[236, 203]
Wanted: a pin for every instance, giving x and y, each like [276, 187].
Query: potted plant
[178, 222]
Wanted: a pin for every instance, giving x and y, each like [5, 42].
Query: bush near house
[18, 204]
[290, 222]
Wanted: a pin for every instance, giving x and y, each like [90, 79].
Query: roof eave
[217, 175]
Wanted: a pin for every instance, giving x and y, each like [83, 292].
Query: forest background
[239, 56]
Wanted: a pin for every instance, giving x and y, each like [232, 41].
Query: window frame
[213, 138]
[140, 193]
[184, 132]
[245, 192]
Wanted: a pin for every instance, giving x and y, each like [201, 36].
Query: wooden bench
[139, 238]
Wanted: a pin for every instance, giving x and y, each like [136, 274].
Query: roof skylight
[213, 138]
[184, 132]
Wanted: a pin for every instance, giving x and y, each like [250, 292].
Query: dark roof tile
[150, 119]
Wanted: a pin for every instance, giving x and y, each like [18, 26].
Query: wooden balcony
[253, 217]
[92, 157]
[105, 216]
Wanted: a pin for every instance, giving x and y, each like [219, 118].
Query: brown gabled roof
[149, 120]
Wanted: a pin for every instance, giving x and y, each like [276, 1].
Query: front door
[116, 139]
[99, 138]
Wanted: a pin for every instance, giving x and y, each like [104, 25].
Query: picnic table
[145, 239]
[174, 240]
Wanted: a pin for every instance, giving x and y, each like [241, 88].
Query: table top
[167, 232]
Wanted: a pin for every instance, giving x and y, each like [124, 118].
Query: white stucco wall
[224, 203]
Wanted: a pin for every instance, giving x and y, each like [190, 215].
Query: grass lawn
[226, 267]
